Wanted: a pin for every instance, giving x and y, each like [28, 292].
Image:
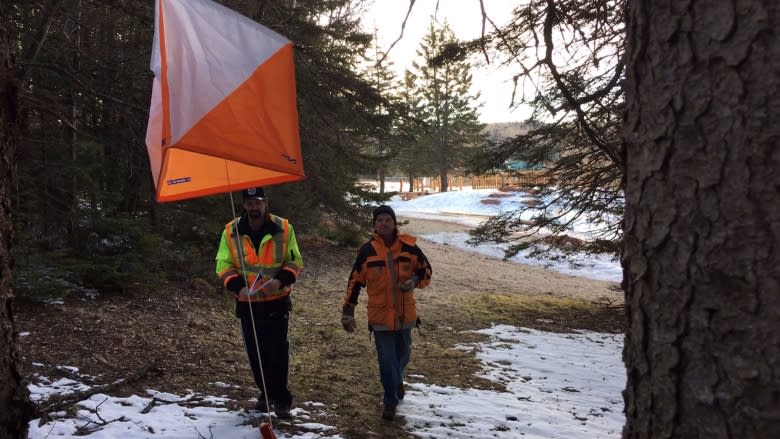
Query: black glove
[409, 284]
[236, 284]
[348, 318]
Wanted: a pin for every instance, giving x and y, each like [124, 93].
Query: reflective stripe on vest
[261, 267]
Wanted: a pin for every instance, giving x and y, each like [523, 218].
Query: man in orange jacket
[390, 266]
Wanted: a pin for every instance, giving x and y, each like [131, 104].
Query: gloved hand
[408, 284]
[245, 292]
[274, 286]
[348, 318]
[348, 323]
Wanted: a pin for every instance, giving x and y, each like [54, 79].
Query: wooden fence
[454, 183]
[487, 181]
[517, 179]
[529, 179]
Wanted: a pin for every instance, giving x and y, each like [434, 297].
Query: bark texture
[702, 243]
[14, 406]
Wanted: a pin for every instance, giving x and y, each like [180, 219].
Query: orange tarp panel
[223, 114]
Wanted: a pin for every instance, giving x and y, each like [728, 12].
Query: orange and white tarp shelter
[223, 115]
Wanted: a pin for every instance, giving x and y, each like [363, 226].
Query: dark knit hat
[384, 209]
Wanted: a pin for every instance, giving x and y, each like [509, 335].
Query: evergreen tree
[568, 58]
[340, 112]
[444, 105]
[413, 128]
[84, 191]
[382, 147]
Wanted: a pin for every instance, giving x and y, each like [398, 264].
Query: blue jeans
[393, 349]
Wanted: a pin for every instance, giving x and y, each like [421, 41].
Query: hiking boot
[388, 412]
[261, 406]
[282, 410]
[401, 391]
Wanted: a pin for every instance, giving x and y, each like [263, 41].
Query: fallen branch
[200, 435]
[195, 401]
[58, 402]
[92, 426]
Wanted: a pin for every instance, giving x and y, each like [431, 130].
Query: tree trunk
[16, 410]
[443, 179]
[72, 136]
[702, 227]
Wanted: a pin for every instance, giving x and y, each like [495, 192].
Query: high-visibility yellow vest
[277, 251]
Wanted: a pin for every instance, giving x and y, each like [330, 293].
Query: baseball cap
[253, 192]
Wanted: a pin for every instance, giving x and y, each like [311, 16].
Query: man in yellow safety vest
[258, 261]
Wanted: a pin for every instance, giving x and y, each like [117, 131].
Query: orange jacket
[381, 269]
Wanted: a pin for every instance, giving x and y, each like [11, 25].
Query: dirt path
[193, 337]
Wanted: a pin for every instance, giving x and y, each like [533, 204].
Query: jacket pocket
[405, 268]
[376, 314]
[375, 272]
[376, 291]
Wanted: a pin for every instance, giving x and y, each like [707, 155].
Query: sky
[557, 385]
[464, 18]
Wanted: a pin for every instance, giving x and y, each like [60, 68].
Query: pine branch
[564, 89]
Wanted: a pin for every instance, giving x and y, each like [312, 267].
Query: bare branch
[35, 46]
[403, 26]
[482, 34]
[581, 116]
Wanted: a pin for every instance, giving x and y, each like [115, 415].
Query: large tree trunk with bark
[15, 409]
[702, 227]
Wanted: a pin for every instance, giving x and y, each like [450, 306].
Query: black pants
[270, 328]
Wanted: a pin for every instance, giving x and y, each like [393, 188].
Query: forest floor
[188, 333]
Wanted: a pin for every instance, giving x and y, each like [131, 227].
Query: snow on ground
[465, 207]
[557, 386]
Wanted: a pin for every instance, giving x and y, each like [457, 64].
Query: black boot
[261, 405]
[388, 412]
[282, 410]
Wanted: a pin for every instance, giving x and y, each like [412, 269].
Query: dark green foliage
[84, 206]
[112, 255]
[383, 149]
[444, 120]
[348, 235]
[340, 113]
